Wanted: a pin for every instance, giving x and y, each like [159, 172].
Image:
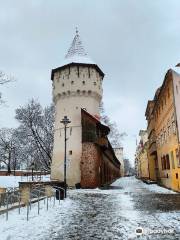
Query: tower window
[72, 82]
[176, 175]
[70, 152]
[78, 70]
[83, 82]
[89, 72]
[62, 84]
[78, 91]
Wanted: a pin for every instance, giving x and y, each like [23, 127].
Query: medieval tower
[77, 84]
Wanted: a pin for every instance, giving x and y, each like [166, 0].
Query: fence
[13, 198]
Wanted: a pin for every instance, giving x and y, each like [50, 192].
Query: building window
[70, 152]
[72, 82]
[172, 160]
[62, 84]
[83, 82]
[167, 162]
[176, 175]
[177, 157]
[162, 163]
[94, 83]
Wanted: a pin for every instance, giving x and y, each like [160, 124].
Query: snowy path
[101, 214]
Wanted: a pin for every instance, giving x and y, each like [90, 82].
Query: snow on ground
[17, 227]
[13, 181]
[9, 181]
[126, 183]
[110, 214]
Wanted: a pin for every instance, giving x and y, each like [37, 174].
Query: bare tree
[128, 169]
[115, 136]
[36, 133]
[9, 148]
[3, 80]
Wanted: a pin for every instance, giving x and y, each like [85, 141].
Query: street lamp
[65, 121]
[32, 167]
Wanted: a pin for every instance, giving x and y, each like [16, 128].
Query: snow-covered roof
[176, 69]
[77, 54]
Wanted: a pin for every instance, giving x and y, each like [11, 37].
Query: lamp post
[32, 167]
[65, 121]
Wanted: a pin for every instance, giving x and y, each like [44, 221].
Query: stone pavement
[116, 213]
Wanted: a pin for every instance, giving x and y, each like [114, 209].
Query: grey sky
[133, 41]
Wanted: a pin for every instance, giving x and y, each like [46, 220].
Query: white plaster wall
[69, 98]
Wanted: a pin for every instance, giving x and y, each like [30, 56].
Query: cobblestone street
[114, 213]
[117, 212]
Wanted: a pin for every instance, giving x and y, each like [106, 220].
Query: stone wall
[90, 163]
[96, 167]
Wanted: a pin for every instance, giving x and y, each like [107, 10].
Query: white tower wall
[74, 87]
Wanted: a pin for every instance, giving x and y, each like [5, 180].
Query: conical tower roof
[76, 48]
[76, 53]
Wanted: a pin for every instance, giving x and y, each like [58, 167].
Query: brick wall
[96, 167]
[90, 163]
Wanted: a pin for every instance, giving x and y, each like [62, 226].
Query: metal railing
[12, 198]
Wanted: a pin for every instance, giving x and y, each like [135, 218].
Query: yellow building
[152, 149]
[163, 116]
[141, 158]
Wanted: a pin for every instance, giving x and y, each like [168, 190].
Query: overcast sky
[133, 41]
